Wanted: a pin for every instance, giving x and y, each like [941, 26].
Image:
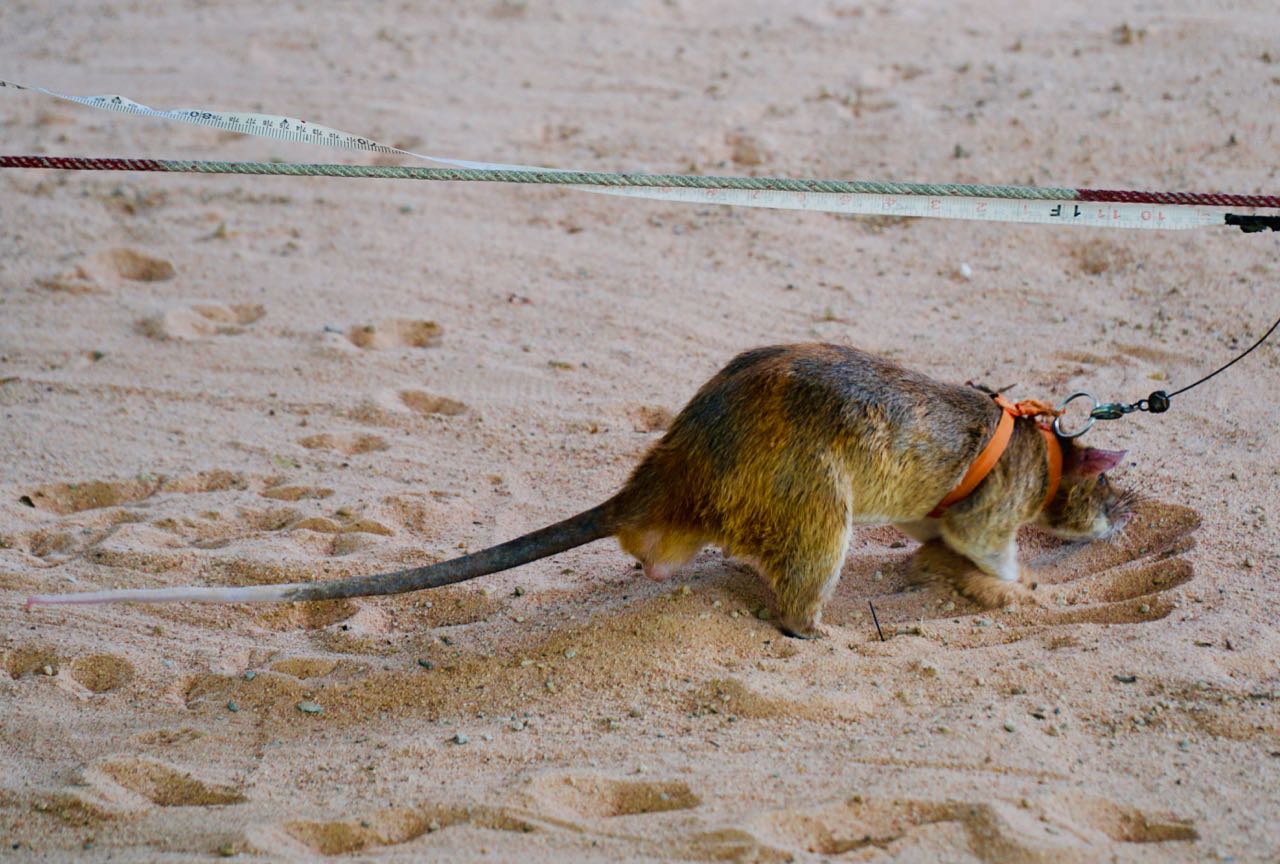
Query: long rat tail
[594, 524]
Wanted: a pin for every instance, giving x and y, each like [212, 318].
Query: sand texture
[221, 380]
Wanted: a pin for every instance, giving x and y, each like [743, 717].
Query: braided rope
[602, 178]
[563, 178]
[1210, 199]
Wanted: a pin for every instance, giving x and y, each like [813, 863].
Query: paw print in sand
[1128, 579]
[1056, 827]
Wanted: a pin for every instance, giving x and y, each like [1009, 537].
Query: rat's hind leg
[804, 577]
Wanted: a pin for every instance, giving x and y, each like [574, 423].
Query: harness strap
[998, 443]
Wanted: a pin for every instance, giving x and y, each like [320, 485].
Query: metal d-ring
[1057, 421]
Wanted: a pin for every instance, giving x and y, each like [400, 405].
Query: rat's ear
[1088, 461]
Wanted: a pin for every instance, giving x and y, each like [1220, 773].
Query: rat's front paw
[990, 592]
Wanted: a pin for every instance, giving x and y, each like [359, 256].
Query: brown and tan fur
[785, 450]
[776, 459]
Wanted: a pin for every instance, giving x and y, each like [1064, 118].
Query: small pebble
[233, 707]
[426, 664]
[517, 725]
[460, 738]
[1144, 608]
[310, 708]
[1125, 679]
[250, 675]
[517, 592]
[966, 272]
[570, 654]
[1009, 727]
[1184, 744]
[48, 670]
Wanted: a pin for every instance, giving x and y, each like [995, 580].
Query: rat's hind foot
[658, 572]
[802, 629]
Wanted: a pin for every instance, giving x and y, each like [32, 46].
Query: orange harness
[995, 448]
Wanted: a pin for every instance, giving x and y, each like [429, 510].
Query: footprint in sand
[425, 403]
[31, 659]
[346, 443]
[1128, 579]
[296, 493]
[589, 796]
[133, 265]
[159, 783]
[76, 280]
[54, 543]
[200, 321]
[67, 498]
[382, 828]
[89, 276]
[1052, 828]
[396, 333]
[102, 673]
[305, 616]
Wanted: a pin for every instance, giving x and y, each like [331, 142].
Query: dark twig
[876, 619]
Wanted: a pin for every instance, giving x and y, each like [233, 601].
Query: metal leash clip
[1093, 414]
[1156, 403]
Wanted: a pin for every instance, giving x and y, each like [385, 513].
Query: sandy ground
[221, 380]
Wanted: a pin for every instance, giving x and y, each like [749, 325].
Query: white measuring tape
[987, 209]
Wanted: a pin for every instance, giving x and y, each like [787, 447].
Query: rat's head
[1087, 506]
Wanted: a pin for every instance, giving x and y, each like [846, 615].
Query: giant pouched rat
[775, 459]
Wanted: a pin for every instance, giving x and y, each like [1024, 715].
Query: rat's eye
[1102, 479]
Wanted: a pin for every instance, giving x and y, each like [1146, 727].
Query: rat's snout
[1119, 511]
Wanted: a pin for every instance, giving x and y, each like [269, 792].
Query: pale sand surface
[190, 392]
